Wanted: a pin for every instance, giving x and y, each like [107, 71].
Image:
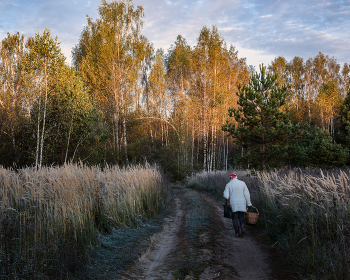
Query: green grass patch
[198, 222]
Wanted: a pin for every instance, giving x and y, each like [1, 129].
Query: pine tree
[262, 128]
[317, 148]
[343, 136]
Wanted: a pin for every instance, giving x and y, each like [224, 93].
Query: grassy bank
[304, 214]
[50, 218]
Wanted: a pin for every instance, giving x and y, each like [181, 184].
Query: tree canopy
[125, 102]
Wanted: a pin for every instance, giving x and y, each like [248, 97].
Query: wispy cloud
[65, 18]
[260, 29]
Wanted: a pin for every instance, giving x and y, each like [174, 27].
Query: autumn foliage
[123, 102]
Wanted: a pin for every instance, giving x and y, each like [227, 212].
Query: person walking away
[238, 197]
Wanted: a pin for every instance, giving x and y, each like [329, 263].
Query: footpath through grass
[117, 251]
[199, 251]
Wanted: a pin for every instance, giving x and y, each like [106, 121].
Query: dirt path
[244, 254]
[185, 249]
[152, 264]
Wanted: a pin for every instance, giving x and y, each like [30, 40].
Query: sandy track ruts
[243, 253]
[152, 264]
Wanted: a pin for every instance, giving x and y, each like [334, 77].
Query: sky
[260, 30]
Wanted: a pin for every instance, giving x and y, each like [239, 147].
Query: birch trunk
[214, 149]
[44, 119]
[38, 138]
[226, 163]
[192, 146]
[116, 136]
[204, 132]
[125, 142]
[116, 102]
[70, 131]
[223, 150]
[162, 134]
[204, 148]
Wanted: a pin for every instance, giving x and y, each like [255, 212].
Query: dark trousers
[237, 216]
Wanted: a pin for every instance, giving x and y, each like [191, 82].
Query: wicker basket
[251, 218]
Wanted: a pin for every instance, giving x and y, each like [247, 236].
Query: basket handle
[254, 208]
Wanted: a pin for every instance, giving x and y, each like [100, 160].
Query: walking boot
[236, 231]
[242, 228]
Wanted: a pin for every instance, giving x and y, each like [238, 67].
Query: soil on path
[152, 264]
[200, 244]
[243, 253]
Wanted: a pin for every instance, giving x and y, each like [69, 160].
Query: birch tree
[110, 55]
[12, 82]
[295, 72]
[157, 97]
[44, 58]
[75, 129]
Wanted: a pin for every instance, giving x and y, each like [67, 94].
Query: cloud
[64, 18]
[260, 29]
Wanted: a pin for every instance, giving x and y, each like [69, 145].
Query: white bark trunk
[192, 148]
[125, 142]
[226, 162]
[44, 120]
[69, 134]
[214, 149]
[38, 138]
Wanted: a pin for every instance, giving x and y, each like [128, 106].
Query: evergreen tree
[317, 148]
[343, 136]
[262, 128]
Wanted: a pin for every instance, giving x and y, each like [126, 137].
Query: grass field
[50, 218]
[303, 213]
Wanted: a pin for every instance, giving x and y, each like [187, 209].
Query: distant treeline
[123, 102]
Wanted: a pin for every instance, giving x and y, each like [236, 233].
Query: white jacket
[238, 194]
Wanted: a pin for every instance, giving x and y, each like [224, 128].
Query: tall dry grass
[50, 218]
[214, 181]
[303, 212]
[305, 215]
